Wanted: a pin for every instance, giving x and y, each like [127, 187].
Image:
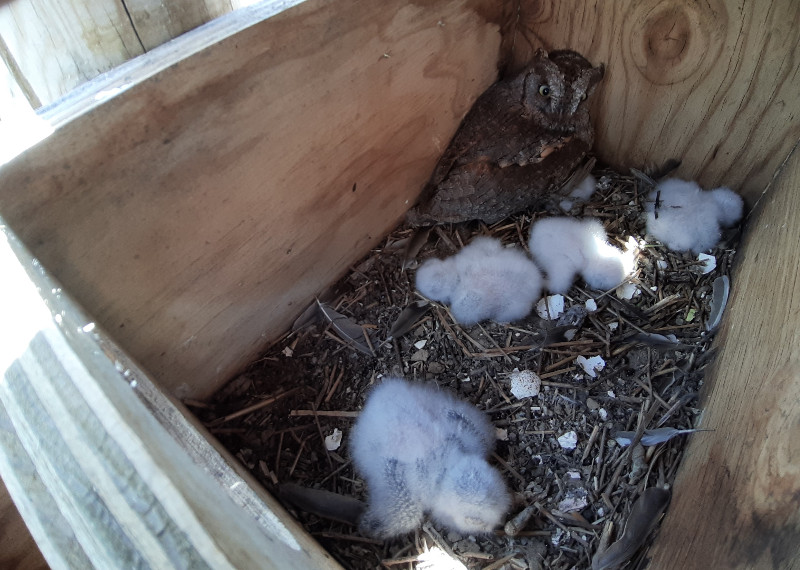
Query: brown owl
[522, 139]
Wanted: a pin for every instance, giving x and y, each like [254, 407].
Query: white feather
[422, 450]
[483, 281]
[565, 247]
[689, 218]
[584, 189]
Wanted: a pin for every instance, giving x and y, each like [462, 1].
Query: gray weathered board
[105, 470]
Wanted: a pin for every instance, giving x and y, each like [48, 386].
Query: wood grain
[198, 212]
[736, 502]
[715, 84]
[55, 46]
[157, 22]
[104, 470]
[52, 47]
[18, 550]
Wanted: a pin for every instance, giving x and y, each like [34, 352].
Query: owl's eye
[544, 90]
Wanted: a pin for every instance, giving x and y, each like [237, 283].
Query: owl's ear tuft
[594, 76]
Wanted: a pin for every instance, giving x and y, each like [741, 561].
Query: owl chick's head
[555, 88]
[472, 497]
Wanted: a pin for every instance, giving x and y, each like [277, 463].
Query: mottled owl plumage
[522, 139]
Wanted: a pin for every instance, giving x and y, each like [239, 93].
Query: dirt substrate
[275, 417]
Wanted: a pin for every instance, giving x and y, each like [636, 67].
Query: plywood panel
[99, 478]
[715, 83]
[17, 548]
[736, 501]
[197, 213]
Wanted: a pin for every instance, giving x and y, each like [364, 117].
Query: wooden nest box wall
[238, 171]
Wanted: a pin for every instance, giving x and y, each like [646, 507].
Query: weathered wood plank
[736, 502]
[200, 210]
[715, 84]
[156, 22]
[58, 45]
[55, 47]
[99, 480]
[18, 550]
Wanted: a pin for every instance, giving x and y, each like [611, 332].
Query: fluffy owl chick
[421, 451]
[565, 247]
[473, 497]
[438, 279]
[684, 217]
[483, 281]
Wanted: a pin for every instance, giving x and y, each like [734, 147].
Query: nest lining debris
[275, 417]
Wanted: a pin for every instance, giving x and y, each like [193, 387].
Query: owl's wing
[464, 189]
[483, 190]
[493, 128]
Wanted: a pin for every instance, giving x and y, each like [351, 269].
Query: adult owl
[522, 139]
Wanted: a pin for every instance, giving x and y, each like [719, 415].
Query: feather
[323, 503]
[719, 299]
[659, 340]
[408, 318]
[652, 436]
[419, 239]
[351, 333]
[584, 189]
[644, 515]
[307, 317]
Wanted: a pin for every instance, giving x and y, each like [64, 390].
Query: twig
[332, 336]
[551, 518]
[328, 381]
[437, 538]
[335, 472]
[498, 389]
[592, 438]
[350, 537]
[497, 346]
[322, 439]
[499, 563]
[559, 373]
[278, 455]
[332, 391]
[452, 333]
[254, 407]
[366, 338]
[404, 560]
[510, 469]
[504, 352]
[297, 457]
[652, 393]
[325, 413]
